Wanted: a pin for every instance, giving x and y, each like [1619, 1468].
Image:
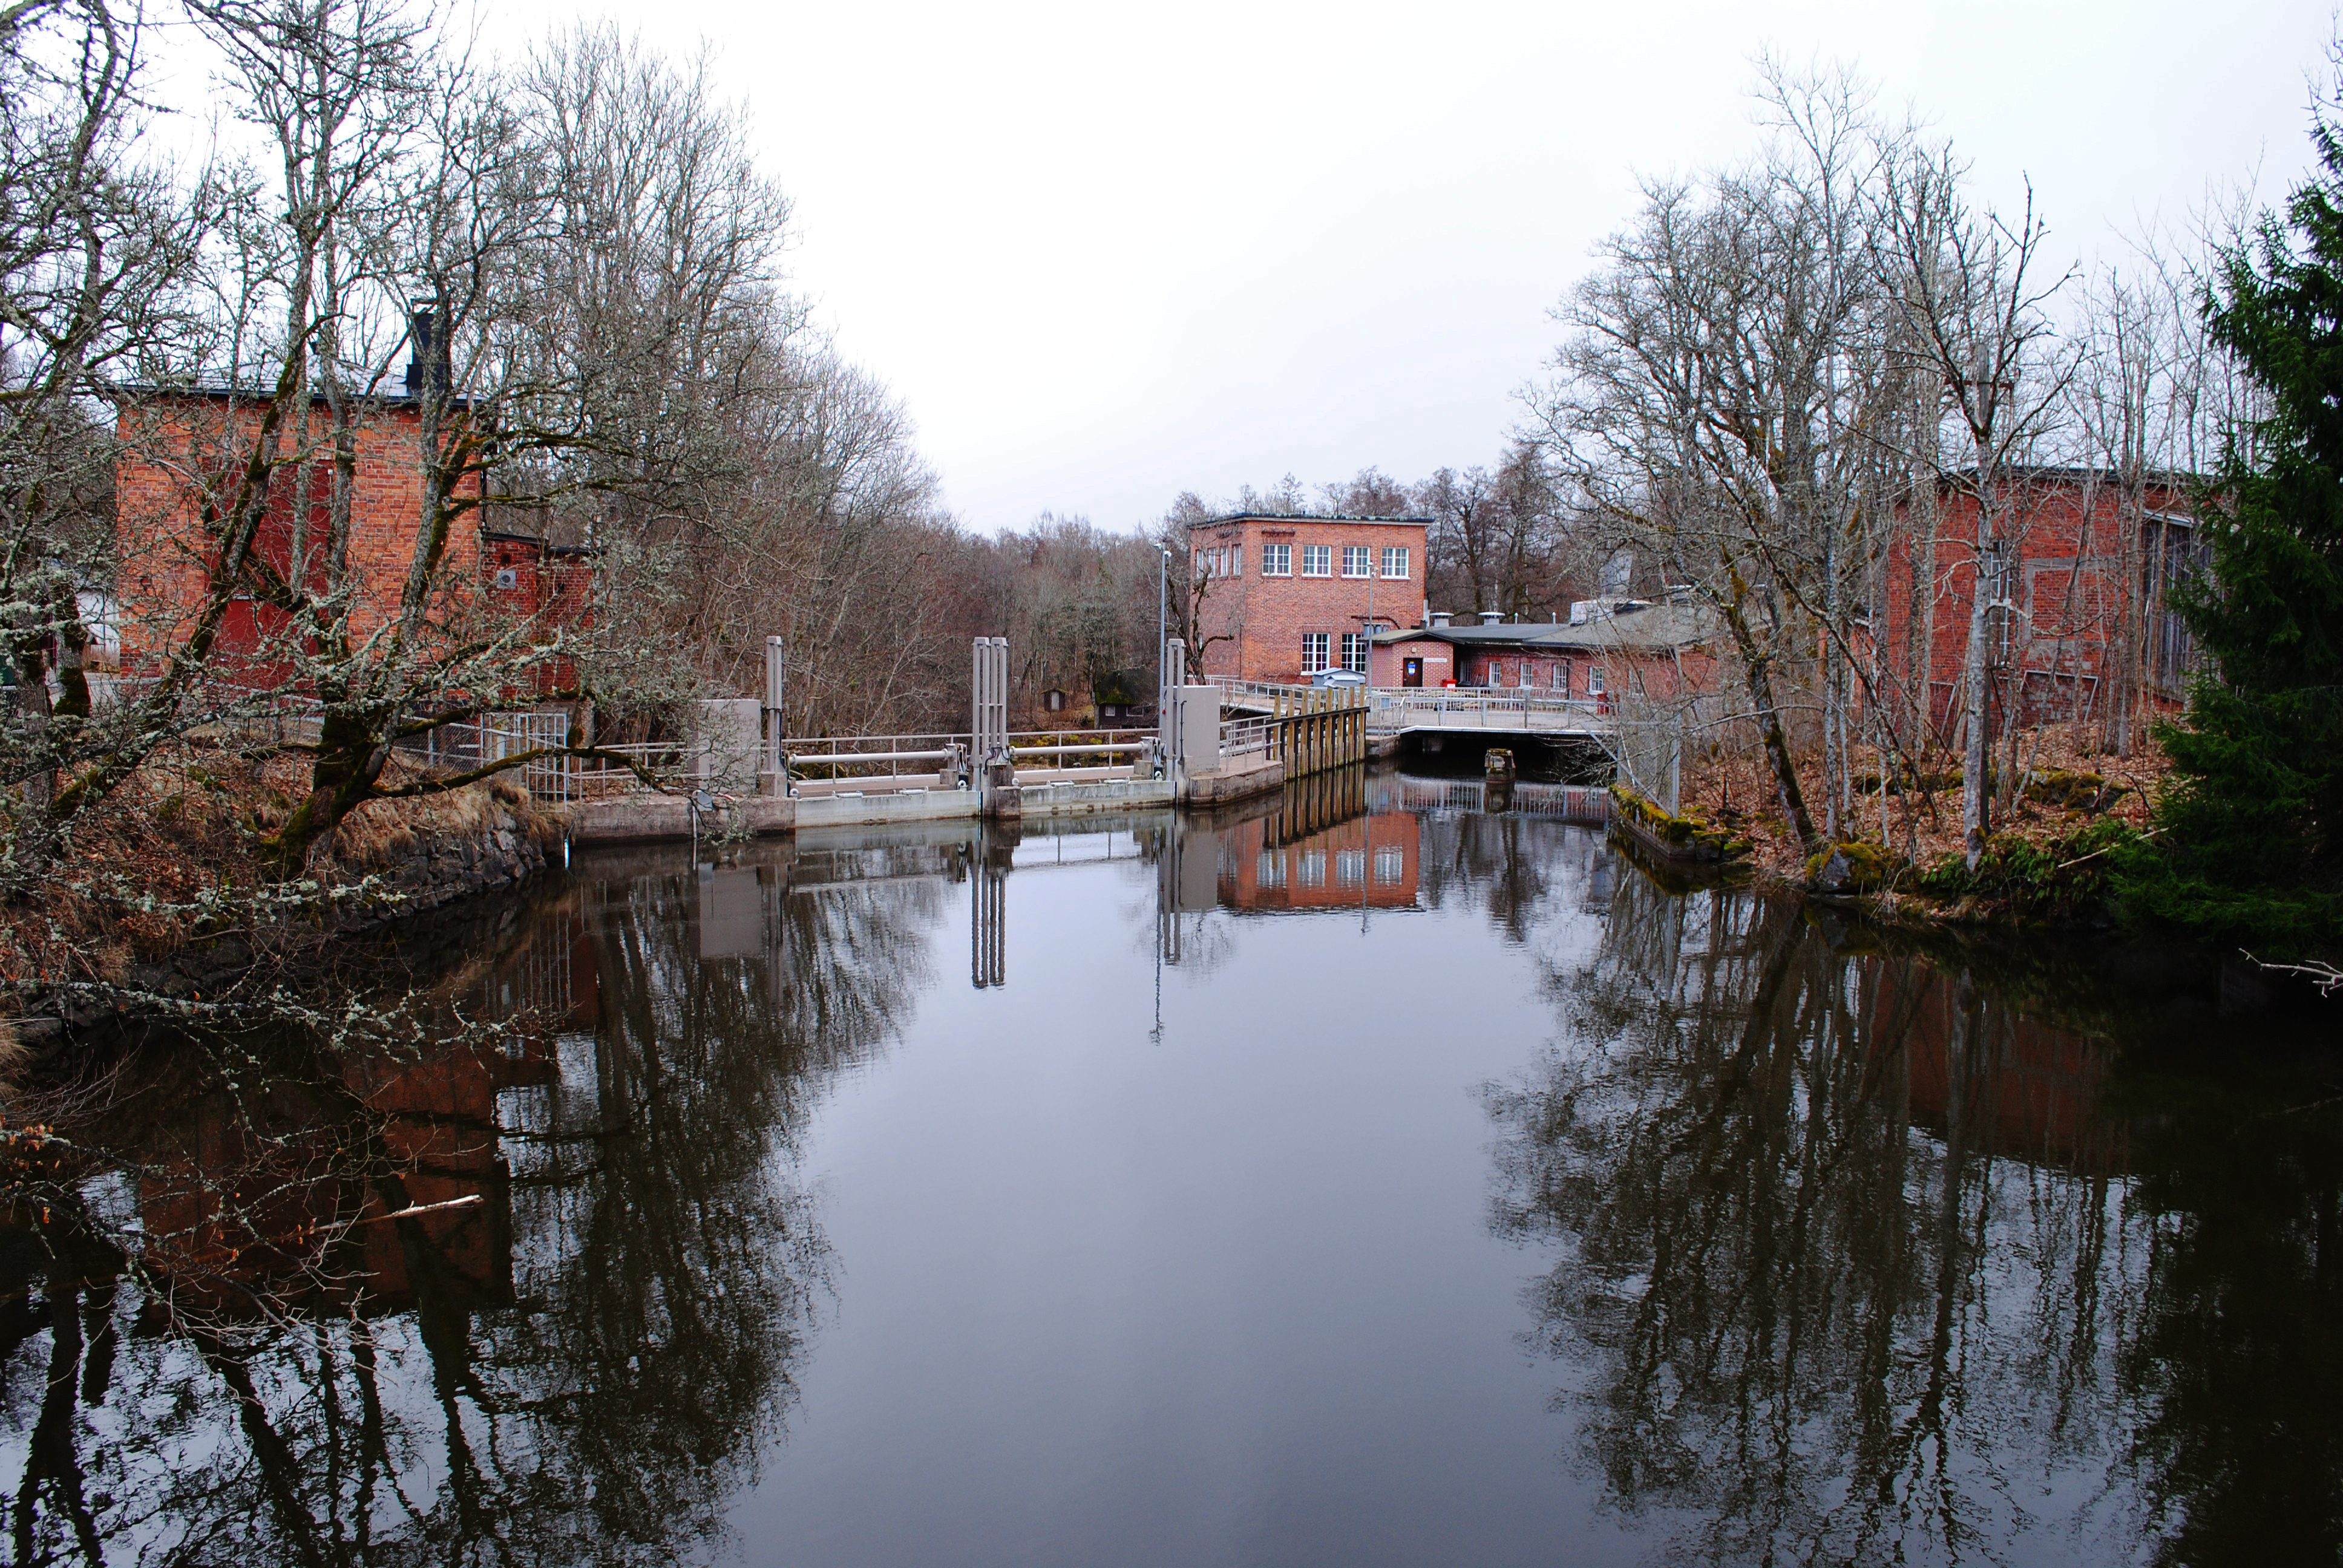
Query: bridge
[1400, 710]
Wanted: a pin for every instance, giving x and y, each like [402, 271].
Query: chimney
[1493, 617]
[430, 362]
[1440, 618]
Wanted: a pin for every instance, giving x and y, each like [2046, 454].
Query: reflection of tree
[602, 1405]
[1830, 1336]
[2235, 1363]
[1509, 863]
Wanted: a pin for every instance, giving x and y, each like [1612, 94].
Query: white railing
[1491, 708]
[1286, 698]
[1246, 737]
[502, 735]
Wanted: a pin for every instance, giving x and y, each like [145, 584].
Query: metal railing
[1287, 696]
[1491, 708]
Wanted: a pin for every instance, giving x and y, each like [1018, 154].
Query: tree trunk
[1977, 741]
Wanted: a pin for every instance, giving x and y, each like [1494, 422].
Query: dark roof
[507, 536]
[2055, 474]
[220, 391]
[1308, 518]
[1632, 626]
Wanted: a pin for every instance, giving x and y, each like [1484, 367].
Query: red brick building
[2083, 576]
[175, 445]
[1612, 648]
[1284, 598]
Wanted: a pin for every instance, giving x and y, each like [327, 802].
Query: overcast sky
[1108, 253]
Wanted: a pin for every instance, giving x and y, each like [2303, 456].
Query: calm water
[1368, 1180]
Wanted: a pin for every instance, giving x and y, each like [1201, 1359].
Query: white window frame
[1363, 556]
[1561, 677]
[1277, 560]
[1594, 680]
[1236, 560]
[1316, 647]
[1354, 643]
[1395, 556]
[1391, 865]
[1317, 560]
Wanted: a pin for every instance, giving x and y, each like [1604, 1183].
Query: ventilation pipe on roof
[428, 367]
[1440, 618]
[1493, 617]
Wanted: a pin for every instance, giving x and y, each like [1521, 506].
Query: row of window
[1317, 561]
[1526, 672]
[1317, 644]
[1350, 868]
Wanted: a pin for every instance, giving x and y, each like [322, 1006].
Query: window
[1317, 560]
[1313, 869]
[1236, 560]
[1203, 563]
[1561, 678]
[1350, 868]
[1313, 652]
[1355, 651]
[1391, 865]
[1277, 560]
[1529, 675]
[1270, 871]
[1496, 674]
[1354, 561]
[1593, 680]
[1396, 561]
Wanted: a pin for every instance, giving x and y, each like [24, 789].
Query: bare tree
[96, 246]
[1965, 287]
[1716, 399]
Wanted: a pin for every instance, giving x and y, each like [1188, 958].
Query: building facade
[2077, 598]
[1286, 597]
[178, 455]
[1613, 652]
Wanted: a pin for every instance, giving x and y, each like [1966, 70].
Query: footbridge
[1400, 710]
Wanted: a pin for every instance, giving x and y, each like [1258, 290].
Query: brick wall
[2074, 578]
[174, 447]
[1264, 618]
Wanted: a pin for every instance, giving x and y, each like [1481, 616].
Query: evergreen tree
[2250, 843]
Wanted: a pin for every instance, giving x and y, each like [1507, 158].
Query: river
[1365, 1178]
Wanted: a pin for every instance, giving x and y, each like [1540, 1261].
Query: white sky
[1106, 253]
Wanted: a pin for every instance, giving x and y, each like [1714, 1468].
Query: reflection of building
[2005, 1083]
[257, 1197]
[1370, 861]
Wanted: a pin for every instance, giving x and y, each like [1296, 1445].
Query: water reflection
[1851, 1265]
[1839, 1251]
[541, 1302]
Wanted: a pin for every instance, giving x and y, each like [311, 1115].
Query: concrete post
[773, 770]
[996, 772]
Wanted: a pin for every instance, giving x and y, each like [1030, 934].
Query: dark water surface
[1370, 1178]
